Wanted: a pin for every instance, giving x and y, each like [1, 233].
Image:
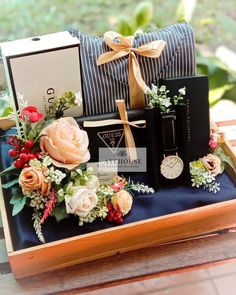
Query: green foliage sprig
[159, 98]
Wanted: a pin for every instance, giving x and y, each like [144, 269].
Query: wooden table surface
[122, 268]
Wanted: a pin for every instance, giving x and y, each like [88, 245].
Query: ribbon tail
[137, 86]
[129, 139]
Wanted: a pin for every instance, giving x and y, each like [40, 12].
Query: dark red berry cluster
[22, 152]
[113, 215]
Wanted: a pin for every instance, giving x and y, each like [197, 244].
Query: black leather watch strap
[169, 132]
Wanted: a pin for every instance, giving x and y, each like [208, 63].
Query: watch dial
[172, 167]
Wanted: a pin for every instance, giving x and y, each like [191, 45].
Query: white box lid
[39, 43]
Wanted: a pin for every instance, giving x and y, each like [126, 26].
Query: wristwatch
[172, 165]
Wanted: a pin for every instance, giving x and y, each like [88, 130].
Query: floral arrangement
[49, 171]
[158, 97]
[204, 170]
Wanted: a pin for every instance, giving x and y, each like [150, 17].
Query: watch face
[172, 167]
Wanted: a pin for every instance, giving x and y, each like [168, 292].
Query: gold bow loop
[122, 46]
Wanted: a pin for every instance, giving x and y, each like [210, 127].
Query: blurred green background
[214, 22]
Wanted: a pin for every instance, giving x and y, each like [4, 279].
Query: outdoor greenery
[214, 22]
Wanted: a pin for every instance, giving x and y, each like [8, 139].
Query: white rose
[82, 202]
[93, 183]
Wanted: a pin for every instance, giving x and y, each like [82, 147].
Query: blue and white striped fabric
[103, 84]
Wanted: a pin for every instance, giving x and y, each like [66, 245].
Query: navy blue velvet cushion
[167, 200]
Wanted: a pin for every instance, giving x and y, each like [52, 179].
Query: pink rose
[213, 144]
[32, 113]
[212, 163]
[122, 201]
[65, 143]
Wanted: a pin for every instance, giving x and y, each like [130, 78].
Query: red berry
[109, 207]
[109, 218]
[25, 150]
[13, 153]
[37, 155]
[19, 164]
[119, 220]
[26, 165]
[24, 157]
[29, 144]
[31, 156]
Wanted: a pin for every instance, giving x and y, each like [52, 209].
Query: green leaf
[143, 14]
[16, 197]
[217, 93]
[184, 11]
[10, 170]
[59, 213]
[10, 183]
[125, 26]
[8, 110]
[18, 204]
[228, 24]
[5, 108]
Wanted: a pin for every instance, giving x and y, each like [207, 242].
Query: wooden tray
[124, 238]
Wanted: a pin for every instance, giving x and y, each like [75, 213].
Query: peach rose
[33, 179]
[122, 201]
[65, 143]
[212, 163]
[82, 202]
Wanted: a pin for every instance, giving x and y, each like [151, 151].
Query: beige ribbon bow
[137, 86]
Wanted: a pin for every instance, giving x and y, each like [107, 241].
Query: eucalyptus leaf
[18, 205]
[15, 198]
[10, 170]
[10, 183]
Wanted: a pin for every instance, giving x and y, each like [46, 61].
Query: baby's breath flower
[35, 163]
[47, 161]
[54, 175]
[37, 201]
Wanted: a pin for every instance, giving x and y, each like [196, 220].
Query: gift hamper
[136, 93]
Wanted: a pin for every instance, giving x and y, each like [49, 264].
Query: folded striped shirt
[103, 84]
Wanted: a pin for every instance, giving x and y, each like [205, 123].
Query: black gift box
[112, 136]
[197, 111]
[192, 128]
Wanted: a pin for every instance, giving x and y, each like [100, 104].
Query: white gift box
[43, 67]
